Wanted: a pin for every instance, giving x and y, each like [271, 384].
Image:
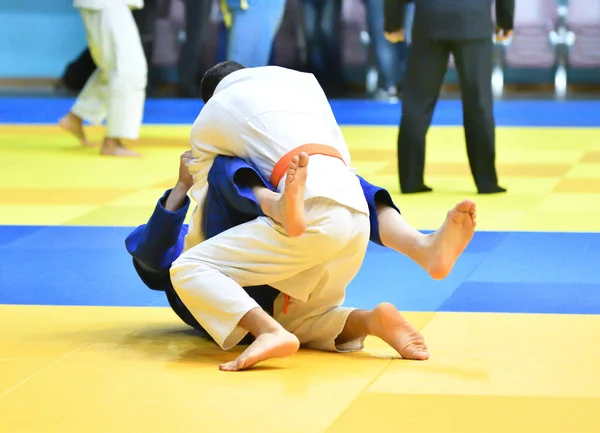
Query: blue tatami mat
[525, 297]
[347, 112]
[543, 258]
[499, 272]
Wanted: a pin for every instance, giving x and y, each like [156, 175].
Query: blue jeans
[253, 30]
[322, 29]
[390, 58]
[197, 21]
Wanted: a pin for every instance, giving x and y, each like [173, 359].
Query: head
[214, 75]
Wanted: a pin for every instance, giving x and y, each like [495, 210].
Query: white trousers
[313, 269]
[116, 91]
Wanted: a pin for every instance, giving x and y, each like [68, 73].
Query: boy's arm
[178, 195]
[155, 245]
[210, 137]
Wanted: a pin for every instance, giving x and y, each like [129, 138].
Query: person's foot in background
[493, 190]
[387, 95]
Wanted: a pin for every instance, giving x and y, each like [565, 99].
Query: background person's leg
[253, 31]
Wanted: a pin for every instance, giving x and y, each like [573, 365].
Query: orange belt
[282, 166]
[312, 149]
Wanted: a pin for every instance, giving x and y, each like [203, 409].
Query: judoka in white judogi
[261, 114]
[116, 91]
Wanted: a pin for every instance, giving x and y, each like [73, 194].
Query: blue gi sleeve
[155, 246]
[375, 194]
[224, 175]
[230, 202]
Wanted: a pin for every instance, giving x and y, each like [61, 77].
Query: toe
[464, 206]
[417, 352]
[230, 366]
[225, 367]
[422, 355]
[303, 159]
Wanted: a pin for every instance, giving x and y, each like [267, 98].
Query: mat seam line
[43, 370]
[371, 382]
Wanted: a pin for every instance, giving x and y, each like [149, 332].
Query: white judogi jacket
[101, 4]
[261, 114]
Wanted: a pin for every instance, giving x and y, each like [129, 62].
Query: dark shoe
[493, 190]
[423, 188]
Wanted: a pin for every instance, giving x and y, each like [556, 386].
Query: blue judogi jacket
[154, 246]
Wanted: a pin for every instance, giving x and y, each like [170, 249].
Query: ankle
[269, 202]
[111, 143]
[258, 322]
[74, 118]
[371, 321]
[426, 241]
[359, 324]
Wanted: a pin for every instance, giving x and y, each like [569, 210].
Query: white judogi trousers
[116, 91]
[313, 269]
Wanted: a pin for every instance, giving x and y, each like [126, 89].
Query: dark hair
[214, 75]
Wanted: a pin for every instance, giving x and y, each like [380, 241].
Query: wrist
[182, 187]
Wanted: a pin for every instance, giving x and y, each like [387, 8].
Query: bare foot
[114, 147]
[449, 242]
[293, 218]
[74, 126]
[277, 344]
[386, 322]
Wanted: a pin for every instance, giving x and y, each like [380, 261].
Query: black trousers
[426, 68]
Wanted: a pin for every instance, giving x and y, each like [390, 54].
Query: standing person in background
[116, 91]
[465, 29]
[197, 20]
[79, 70]
[322, 27]
[252, 26]
[390, 58]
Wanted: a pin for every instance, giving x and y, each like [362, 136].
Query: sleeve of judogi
[224, 178]
[230, 200]
[376, 194]
[199, 193]
[154, 246]
[212, 135]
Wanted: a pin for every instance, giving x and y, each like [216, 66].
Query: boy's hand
[396, 36]
[185, 178]
[503, 35]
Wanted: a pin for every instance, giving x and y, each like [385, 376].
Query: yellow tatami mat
[119, 369]
[103, 369]
[47, 179]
